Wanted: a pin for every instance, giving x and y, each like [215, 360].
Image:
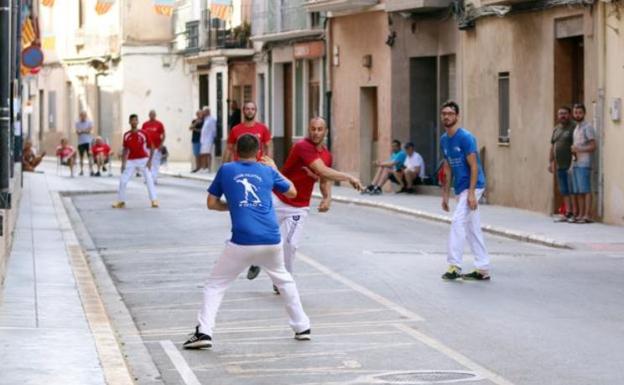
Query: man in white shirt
[206, 140]
[414, 168]
[83, 130]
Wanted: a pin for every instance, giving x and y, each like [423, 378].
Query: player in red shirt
[155, 131]
[66, 155]
[309, 161]
[248, 126]
[101, 153]
[137, 155]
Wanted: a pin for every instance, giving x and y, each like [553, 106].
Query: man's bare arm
[216, 204]
[319, 167]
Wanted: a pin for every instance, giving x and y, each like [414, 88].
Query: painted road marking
[187, 374]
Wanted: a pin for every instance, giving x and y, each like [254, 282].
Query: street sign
[32, 57]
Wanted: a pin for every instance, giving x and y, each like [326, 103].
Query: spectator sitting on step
[30, 160]
[414, 168]
[391, 169]
[101, 154]
[66, 155]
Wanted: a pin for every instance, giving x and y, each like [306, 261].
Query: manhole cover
[424, 377]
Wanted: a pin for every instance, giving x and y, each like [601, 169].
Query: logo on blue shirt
[250, 190]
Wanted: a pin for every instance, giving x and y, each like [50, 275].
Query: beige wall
[524, 46]
[613, 138]
[356, 36]
[143, 25]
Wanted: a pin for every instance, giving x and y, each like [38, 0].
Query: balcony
[338, 5]
[418, 6]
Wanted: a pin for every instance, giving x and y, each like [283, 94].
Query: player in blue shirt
[462, 165]
[256, 240]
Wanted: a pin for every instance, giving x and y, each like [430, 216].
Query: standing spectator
[155, 131]
[66, 155]
[561, 158]
[462, 165]
[391, 169]
[584, 144]
[30, 160]
[414, 168]
[137, 155]
[83, 130]
[208, 133]
[249, 126]
[196, 128]
[234, 117]
[101, 154]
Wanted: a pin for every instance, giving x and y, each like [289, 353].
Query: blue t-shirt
[247, 188]
[398, 158]
[455, 150]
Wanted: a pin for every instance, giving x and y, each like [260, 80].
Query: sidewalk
[508, 222]
[53, 327]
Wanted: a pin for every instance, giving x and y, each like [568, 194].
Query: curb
[495, 230]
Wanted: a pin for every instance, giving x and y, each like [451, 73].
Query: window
[247, 94]
[315, 19]
[192, 35]
[314, 89]
[503, 107]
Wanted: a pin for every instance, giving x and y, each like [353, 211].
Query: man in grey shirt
[584, 144]
[83, 130]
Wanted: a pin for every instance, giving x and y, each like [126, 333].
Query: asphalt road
[370, 282]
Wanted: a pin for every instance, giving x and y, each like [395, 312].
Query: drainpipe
[5, 92]
[600, 108]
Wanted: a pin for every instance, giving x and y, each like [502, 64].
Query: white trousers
[133, 165]
[466, 225]
[156, 159]
[234, 260]
[291, 220]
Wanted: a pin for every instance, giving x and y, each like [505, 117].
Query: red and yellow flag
[29, 34]
[221, 9]
[164, 7]
[103, 6]
[47, 3]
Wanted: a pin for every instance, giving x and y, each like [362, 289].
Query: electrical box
[616, 109]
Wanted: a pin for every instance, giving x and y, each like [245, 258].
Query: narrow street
[370, 282]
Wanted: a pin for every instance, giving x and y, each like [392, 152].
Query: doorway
[424, 109]
[569, 84]
[369, 132]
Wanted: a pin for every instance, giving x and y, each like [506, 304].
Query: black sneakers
[476, 276]
[276, 290]
[303, 336]
[253, 272]
[198, 341]
[452, 273]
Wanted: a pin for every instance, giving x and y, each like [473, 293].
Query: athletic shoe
[198, 340]
[376, 190]
[303, 336]
[368, 189]
[98, 174]
[452, 273]
[81, 173]
[155, 204]
[194, 171]
[91, 173]
[119, 205]
[477, 276]
[253, 272]
[276, 290]
[104, 168]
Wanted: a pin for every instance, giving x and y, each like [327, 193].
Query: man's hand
[355, 183]
[324, 205]
[376, 163]
[445, 202]
[268, 162]
[472, 200]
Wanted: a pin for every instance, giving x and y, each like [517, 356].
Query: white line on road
[455, 355]
[187, 374]
[361, 289]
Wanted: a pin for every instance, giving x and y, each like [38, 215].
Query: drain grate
[424, 377]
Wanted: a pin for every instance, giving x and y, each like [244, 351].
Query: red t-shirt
[296, 169]
[64, 152]
[102, 148]
[154, 130]
[258, 129]
[136, 142]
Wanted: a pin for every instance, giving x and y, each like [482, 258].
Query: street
[370, 282]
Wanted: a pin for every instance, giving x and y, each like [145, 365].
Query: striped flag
[29, 34]
[164, 7]
[47, 3]
[221, 9]
[103, 6]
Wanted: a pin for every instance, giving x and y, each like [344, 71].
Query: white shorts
[205, 148]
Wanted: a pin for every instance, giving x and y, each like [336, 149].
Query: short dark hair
[567, 108]
[409, 144]
[451, 104]
[133, 116]
[579, 106]
[247, 146]
[396, 142]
